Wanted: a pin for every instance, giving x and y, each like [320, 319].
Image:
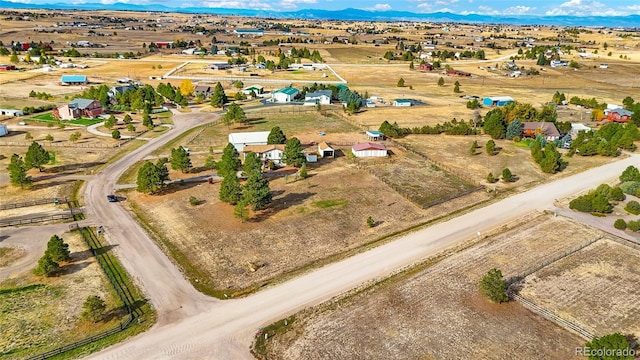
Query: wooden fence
[4, 223]
[33, 203]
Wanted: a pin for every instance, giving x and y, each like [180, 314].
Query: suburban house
[77, 109]
[73, 80]
[6, 67]
[497, 100]
[402, 102]
[257, 89]
[618, 115]
[325, 150]
[11, 112]
[272, 152]
[374, 135]
[205, 90]
[114, 91]
[547, 129]
[284, 95]
[322, 97]
[240, 140]
[368, 149]
[219, 66]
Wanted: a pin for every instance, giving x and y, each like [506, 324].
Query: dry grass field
[254, 75]
[335, 202]
[452, 151]
[40, 314]
[438, 312]
[592, 288]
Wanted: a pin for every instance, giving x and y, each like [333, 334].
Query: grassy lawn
[85, 121]
[48, 117]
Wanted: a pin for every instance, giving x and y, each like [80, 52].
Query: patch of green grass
[130, 176]
[45, 117]
[323, 204]
[279, 327]
[524, 143]
[85, 121]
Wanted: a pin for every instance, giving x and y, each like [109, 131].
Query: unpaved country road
[211, 329]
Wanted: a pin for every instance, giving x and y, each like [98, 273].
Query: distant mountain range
[631, 21]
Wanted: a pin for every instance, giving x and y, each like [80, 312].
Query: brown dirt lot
[48, 315]
[438, 312]
[592, 288]
[293, 232]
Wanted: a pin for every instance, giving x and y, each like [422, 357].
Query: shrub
[633, 225]
[194, 200]
[491, 179]
[506, 175]
[630, 187]
[581, 203]
[620, 224]
[516, 139]
[616, 194]
[633, 207]
[371, 222]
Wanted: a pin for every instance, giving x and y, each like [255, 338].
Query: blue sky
[485, 7]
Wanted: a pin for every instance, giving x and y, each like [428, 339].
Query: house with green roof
[284, 95]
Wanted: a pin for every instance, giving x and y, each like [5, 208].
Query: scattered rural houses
[7, 67]
[321, 97]
[203, 90]
[272, 152]
[374, 135]
[11, 112]
[3, 130]
[618, 115]
[77, 109]
[402, 102]
[219, 66]
[547, 129]
[325, 150]
[284, 95]
[368, 149]
[240, 140]
[73, 80]
[497, 100]
[256, 89]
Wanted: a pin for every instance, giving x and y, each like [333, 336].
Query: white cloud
[380, 7]
[518, 10]
[292, 4]
[584, 8]
[443, 2]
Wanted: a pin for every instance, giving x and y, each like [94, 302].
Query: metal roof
[319, 93]
[288, 90]
[368, 146]
[73, 78]
[249, 137]
[81, 103]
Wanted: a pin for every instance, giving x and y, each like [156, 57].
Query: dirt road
[192, 326]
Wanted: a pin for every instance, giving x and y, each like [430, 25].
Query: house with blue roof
[284, 95]
[73, 80]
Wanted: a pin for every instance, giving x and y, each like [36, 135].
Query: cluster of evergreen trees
[57, 251]
[35, 158]
[152, 177]
[453, 127]
[497, 120]
[547, 156]
[598, 200]
[607, 140]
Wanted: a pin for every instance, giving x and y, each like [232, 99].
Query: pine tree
[506, 175]
[400, 82]
[293, 154]
[441, 81]
[494, 287]
[491, 147]
[116, 134]
[218, 98]
[256, 191]
[93, 308]
[46, 266]
[514, 129]
[456, 87]
[57, 249]
[276, 136]
[229, 162]
[252, 163]
[18, 172]
[230, 189]
[180, 160]
[36, 156]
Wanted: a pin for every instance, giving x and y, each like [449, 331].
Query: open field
[452, 151]
[41, 314]
[415, 178]
[591, 288]
[200, 70]
[422, 314]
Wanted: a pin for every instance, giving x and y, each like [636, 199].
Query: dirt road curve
[210, 329]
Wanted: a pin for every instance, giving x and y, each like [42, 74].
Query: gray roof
[319, 93]
[81, 103]
[548, 128]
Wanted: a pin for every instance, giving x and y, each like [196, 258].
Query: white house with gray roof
[240, 140]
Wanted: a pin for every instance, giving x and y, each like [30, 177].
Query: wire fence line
[68, 145]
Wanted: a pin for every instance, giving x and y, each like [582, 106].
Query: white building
[266, 153]
[284, 95]
[368, 149]
[240, 140]
[322, 97]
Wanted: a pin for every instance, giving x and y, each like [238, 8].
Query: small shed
[368, 149]
[257, 89]
[11, 112]
[325, 150]
[219, 66]
[311, 155]
[374, 135]
[3, 130]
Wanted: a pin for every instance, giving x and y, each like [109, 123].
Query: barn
[368, 149]
[325, 150]
[497, 100]
[74, 80]
[284, 95]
